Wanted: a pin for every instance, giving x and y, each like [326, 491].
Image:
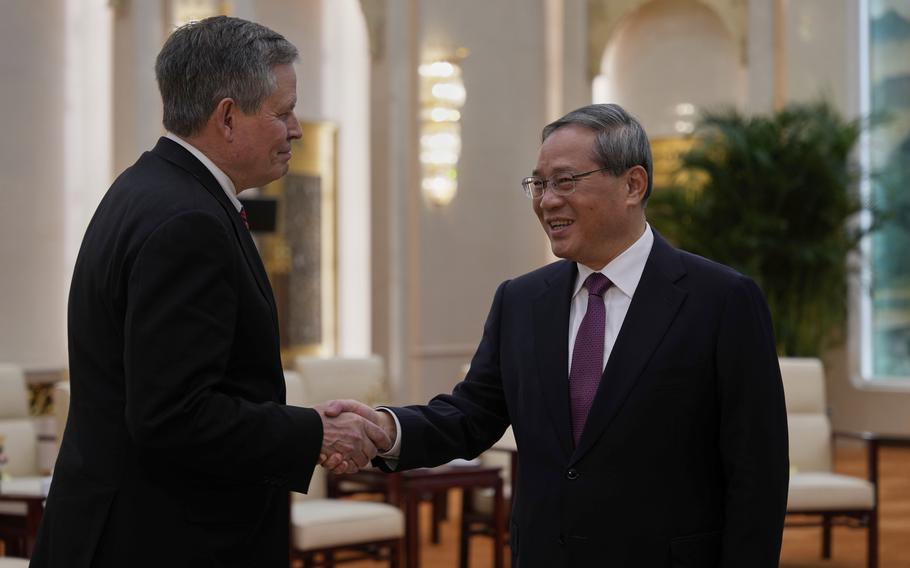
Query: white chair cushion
[507, 442]
[483, 500]
[804, 385]
[13, 508]
[810, 442]
[828, 492]
[324, 523]
[294, 386]
[26, 485]
[20, 446]
[13, 394]
[328, 378]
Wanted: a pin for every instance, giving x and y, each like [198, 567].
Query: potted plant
[775, 197]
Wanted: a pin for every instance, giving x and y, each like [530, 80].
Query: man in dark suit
[641, 381]
[179, 449]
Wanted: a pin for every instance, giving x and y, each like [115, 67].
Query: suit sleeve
[753, 432]
[181, 313]
[468, 421]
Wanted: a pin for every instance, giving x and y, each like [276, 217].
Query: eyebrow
[557, 170]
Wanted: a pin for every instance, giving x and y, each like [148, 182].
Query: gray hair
[620, 143]
[204, 62]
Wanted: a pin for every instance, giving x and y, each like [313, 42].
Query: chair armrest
[882, 439]
[874, 440]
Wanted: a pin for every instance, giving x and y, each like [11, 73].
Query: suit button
[572, 474]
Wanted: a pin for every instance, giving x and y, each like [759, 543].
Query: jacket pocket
[700, 550]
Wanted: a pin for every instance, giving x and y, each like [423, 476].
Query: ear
[636, 184]
[224, 118]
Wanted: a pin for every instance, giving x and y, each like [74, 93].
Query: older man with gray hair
[641, 381]
[179, 449]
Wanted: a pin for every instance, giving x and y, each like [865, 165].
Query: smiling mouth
[560, 224]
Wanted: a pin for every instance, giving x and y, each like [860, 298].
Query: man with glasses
[641, 381]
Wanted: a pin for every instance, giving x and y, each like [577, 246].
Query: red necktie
[588, 354]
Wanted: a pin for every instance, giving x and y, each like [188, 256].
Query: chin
[560, 251]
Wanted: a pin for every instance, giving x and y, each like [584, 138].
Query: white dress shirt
[624, 272]
[223, 180]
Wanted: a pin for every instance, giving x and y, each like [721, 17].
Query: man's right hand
[349, 440]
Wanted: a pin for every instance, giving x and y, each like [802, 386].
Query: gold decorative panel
[300, 256]
[180, 12]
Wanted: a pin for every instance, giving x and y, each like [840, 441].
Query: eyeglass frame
[554, 187]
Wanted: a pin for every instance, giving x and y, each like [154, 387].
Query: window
[885, 79]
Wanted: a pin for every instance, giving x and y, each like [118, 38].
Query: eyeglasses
[560, 184]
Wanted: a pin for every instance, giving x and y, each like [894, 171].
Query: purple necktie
[588, 354]
[244, 217]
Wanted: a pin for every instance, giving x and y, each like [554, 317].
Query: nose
[294, 131]
[549, 199]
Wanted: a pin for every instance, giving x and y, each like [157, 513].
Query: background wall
[415, 282]
[669, 53]
[32, 214]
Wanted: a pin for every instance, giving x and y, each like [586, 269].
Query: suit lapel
[176, 154]
[655, 304]
[551, 330]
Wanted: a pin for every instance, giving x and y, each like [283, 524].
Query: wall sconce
[442, 94]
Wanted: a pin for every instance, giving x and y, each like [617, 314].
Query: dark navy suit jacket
[683, 460]
[178, 449]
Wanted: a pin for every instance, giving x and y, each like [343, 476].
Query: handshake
[352, 434]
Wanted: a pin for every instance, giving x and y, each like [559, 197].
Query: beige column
[396, 201]
[32, 216]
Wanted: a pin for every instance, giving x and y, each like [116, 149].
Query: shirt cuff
[393, 452]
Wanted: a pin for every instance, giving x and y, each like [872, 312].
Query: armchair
[477, 505]
[815, 490]
[322, 527]
[20, 444]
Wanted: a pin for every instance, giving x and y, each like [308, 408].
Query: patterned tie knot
[597, 284]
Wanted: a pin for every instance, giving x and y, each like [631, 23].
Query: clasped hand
[352, 435]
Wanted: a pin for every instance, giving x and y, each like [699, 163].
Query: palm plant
[774, 197]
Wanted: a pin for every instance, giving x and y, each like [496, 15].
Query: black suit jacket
[179, 450]
[683, 460]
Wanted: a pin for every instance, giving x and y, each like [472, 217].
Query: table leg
[411, 530]
[33, 516]
[498, 528]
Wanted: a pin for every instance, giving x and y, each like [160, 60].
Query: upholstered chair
[815, 489]
[477, 505]
[20, 444]
[328, 531]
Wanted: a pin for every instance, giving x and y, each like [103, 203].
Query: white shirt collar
[223, 180]
[625, 270]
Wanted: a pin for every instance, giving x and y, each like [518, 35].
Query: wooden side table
[874, 442]
[405, 488]
[21, 532]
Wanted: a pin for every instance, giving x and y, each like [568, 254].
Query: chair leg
[872, 541]
[440, 512]
[826, 536]
[396, 553]
[465, 533]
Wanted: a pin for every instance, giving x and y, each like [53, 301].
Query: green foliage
[775, 199]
